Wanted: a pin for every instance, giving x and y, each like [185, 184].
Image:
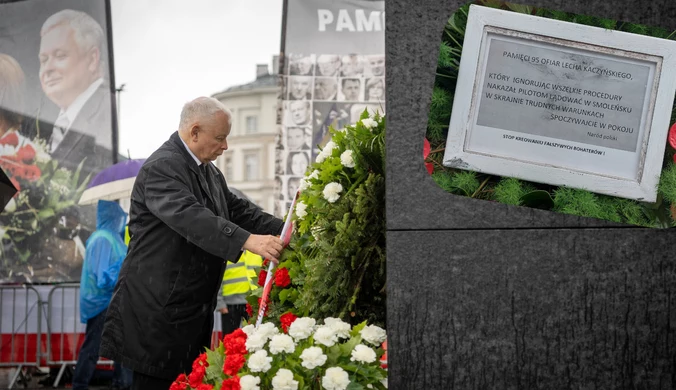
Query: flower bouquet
[299, 355]
[39, 211]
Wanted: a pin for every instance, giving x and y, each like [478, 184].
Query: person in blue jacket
[105, 251]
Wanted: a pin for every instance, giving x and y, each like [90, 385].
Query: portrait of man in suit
[72, 71]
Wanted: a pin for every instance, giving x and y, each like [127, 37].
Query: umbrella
[7, 190]
[113, 183]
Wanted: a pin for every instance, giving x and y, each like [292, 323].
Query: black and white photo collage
[318, 91]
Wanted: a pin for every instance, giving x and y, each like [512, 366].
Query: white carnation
[363, 354]
[326, 336]
[255, 342]
[281, 343]
[373, 334]
[331, 192]
[312, 358]
[283, 380]
[302, 328]
[369, 123]
[300, 210]
[304, 185]
[249, 382]
[328, 149]
[335, 379]
[267, 329]
[340, 327]
[249, 330]
[346, 159]
[259, 361]
[320, 157]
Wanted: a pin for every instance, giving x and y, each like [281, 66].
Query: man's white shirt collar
[79, 102]
[191, 153]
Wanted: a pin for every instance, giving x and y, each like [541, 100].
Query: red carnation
[196, 376]
[286, 320]
[178, 386]
[249, 310]
[231, 384]
[235, 342]
[201, 360]
[282, 278]
[10, 139]
[261, 277]
[204, 386]
[233, 363]
[26, 154]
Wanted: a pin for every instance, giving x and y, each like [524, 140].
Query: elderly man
[301, 88]
[328, 65]
[300, 113]
[185, 223]
[71, 74]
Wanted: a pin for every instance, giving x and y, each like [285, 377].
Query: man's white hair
[88, 32]
[202, 108]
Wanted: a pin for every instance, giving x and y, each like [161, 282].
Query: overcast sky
[168, 52]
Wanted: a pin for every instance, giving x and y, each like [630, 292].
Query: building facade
[249, 163]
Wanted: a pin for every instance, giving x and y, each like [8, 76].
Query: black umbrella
[7, 190]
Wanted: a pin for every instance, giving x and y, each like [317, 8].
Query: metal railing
[20, 328]
[63, 306]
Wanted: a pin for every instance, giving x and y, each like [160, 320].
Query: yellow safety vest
[127, 238]
[238, 278]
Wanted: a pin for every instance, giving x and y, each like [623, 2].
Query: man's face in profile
[377, 65]
[299, 113]
[295, 137]
[351, 89]
[300, 87]
[65, 70]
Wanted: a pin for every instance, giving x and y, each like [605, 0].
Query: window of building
[251, 166]
[251, 124]
[228, 172]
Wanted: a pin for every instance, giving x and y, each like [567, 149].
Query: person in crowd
[185, 226]
[105, 252]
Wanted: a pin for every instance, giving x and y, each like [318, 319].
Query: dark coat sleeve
[250, 217]
[169, 198]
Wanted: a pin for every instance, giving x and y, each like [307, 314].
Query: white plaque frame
[655, 120]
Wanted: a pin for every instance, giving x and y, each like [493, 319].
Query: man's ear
[94, 57]
[194, 132]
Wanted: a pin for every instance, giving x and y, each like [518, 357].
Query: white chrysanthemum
[300, 210]
[259, 361]
[346, 159]
[255, 342]
[328, 149]
[302, 328]
[283, 380]
[320, 157]
[314, 175]
[369, 123]
[373, 334]
[267, 329]
[304, 185]
[312, 358]
[249, 330]
[363, 354]
[340, 327]
[249, 382]
[335, 379]
[331, 192]
[326, 336]
[281, 343]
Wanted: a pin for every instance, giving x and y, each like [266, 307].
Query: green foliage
[516, 192]
[336, 258]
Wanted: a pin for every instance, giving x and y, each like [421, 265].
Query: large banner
[56, 132]
[333, 68]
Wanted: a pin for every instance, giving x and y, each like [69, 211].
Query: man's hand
[224, 310]
[270, 247]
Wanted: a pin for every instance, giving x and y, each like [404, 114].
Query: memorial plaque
[561, 103]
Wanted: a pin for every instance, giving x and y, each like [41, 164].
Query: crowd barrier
[40, 328]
